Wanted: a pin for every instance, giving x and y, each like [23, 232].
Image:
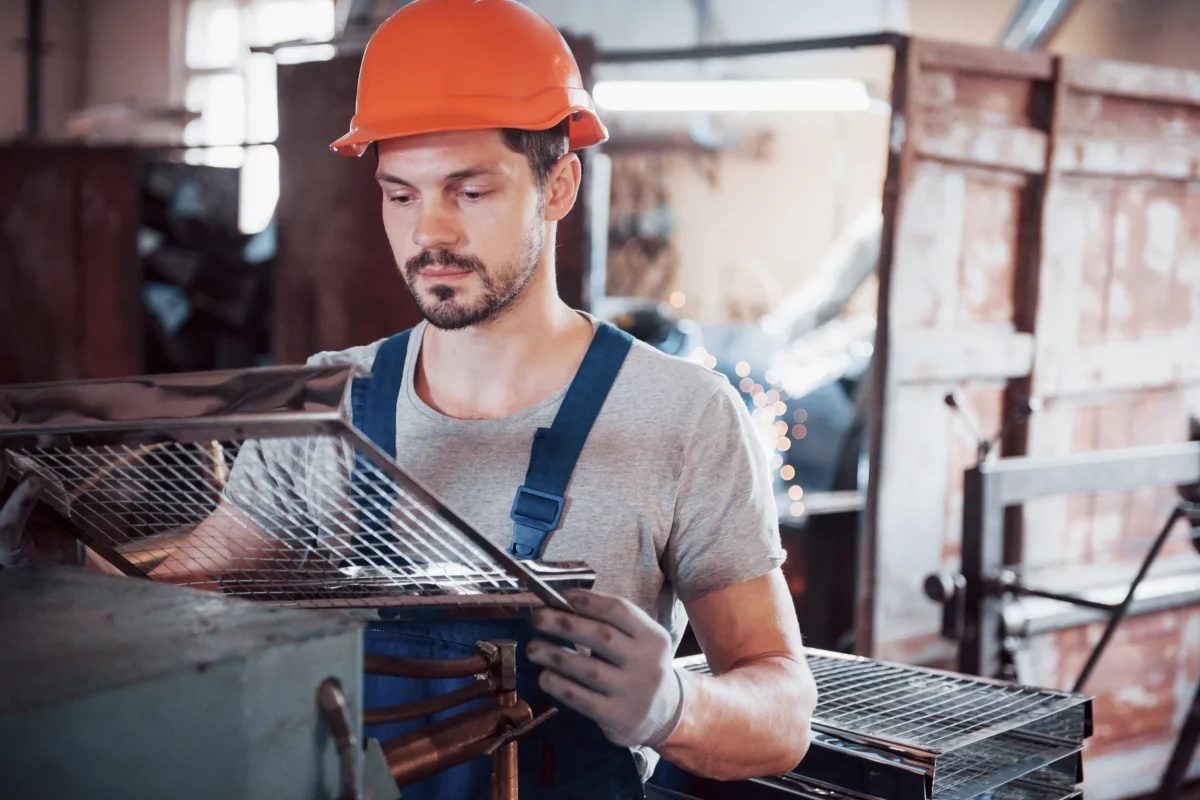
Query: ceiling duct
[1034, 23]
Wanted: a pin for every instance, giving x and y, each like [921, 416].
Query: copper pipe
[424, 667]
[337, 714]
[504, 760]
[423, 708]
[451, 742]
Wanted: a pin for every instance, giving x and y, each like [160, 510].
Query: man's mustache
[441, 258]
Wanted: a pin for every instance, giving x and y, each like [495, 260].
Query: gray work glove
[626, 682]
[24, 544]
[15, 550]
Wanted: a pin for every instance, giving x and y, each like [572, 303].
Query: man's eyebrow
[387, 177]
[471, 172]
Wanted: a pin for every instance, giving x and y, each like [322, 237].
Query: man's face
[464, 219]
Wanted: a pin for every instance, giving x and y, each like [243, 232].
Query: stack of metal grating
[896, 732]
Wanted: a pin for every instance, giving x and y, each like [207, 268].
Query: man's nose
[437, 228]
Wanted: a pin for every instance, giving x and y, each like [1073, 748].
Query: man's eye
[402, 199]
[473, 194]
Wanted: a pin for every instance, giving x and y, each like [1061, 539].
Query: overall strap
[537, 508]
[373, 400]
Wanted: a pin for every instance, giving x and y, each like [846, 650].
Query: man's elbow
[797, 743]
[796, 750]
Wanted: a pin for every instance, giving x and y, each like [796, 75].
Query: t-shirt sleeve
[726, 528]
[266, 483]
[273, 481]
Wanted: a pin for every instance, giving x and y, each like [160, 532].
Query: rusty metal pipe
[451, 742]
[504, 760]
[424, 667]
[423, 708]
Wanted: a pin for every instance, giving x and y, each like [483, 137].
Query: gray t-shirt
[671, 498]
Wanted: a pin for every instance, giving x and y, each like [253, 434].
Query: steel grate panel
[235, 513]
[922, 709]
[1022, 790]
[968, 771]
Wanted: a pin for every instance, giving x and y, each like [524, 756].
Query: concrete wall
[135, 51]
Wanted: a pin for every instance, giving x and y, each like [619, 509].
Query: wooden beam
[943, 137]
[968, 58]
[939, 356]
[1105, 76]
[1126, 366]
[1128, 157]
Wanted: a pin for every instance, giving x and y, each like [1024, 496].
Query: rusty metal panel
[1042, 236]
[1117, 364]
[1143, 687]
[69, 304]
[969, 140]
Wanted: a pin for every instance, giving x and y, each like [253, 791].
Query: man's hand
[627, 684]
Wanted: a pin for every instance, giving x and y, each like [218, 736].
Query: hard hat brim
[585, 129]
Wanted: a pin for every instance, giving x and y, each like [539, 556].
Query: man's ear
[562, 187]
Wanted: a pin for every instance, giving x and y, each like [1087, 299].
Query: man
[471, 108]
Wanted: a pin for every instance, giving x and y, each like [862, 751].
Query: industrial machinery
[112, 687]
[256, 485]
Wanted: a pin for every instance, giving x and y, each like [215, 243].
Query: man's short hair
[542, 148]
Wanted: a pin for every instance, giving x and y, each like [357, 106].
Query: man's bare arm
[753, 718]
[226, 541]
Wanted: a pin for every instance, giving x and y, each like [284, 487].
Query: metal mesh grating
[1021, 790]
[278, 520]
[966, 772]
[926, 710]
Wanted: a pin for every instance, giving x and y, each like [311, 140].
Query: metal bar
[1019, 480]
[138, 432]
[1181, 754]
[424, 667]
[905, 79]
[1025, 591]
[749, 49]
[1176, 591]
[425, 708]
[35, 54]
[982, 559]
[1119, 613]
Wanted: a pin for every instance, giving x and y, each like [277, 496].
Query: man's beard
[500, 287]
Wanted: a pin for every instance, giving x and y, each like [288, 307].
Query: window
[233, 89]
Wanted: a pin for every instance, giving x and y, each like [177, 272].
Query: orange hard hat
[456, 65]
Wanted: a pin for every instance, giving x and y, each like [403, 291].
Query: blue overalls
[567, 756]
